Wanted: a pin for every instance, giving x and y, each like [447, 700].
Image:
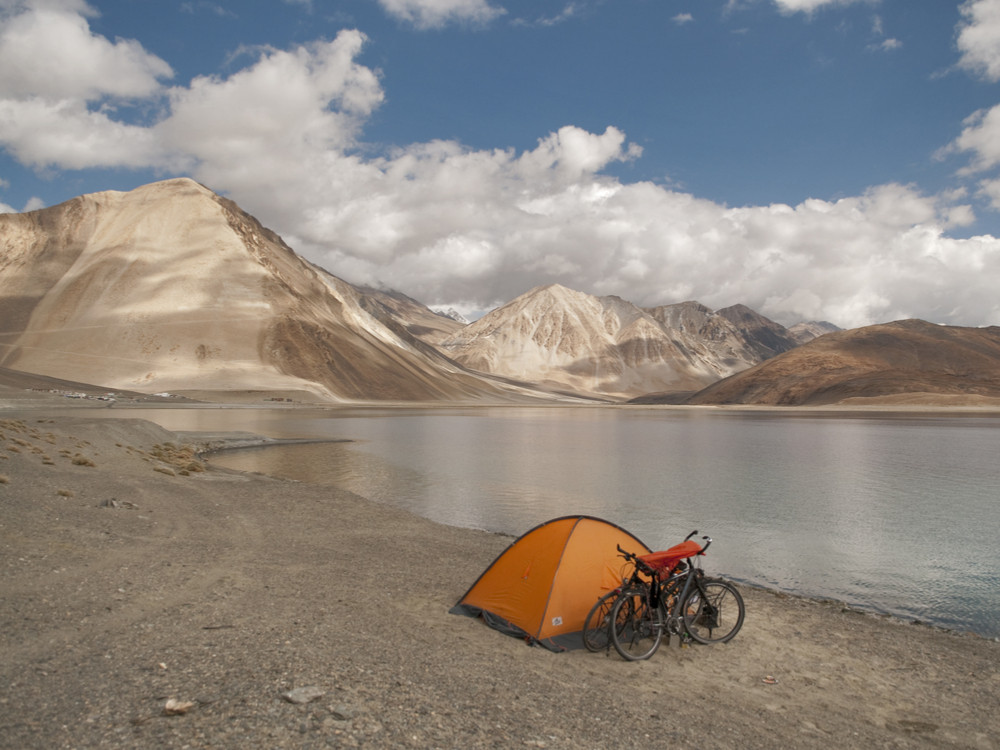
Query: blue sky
[813, 159]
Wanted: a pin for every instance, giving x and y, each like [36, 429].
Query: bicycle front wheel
[597, 626]
[636, 627]
[713, 611]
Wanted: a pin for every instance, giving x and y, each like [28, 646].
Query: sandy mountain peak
[171, 287]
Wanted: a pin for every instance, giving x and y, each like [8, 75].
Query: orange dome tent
[543, 585]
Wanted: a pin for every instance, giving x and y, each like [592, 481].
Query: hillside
[171, 288]
[905, 362]
[607, 346]
[416, 318]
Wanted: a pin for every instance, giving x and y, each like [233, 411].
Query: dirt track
[224, 591]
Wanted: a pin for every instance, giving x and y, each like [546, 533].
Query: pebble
[303, 694]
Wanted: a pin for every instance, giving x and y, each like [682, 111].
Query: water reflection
[899, 514]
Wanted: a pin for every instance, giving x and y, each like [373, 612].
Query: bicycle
[664, 594]
[596, 628]
[597, 631]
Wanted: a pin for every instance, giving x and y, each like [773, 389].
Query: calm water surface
[900, 514]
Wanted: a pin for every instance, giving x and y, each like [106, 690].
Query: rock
[343, 712]
[116, 503]
[303, 694]
[174, 707]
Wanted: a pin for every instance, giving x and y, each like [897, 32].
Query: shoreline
[222, 442]
[208, 442]
[224, 592]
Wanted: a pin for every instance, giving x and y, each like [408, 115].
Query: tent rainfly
[542, 587]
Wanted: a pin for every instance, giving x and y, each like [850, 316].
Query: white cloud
[981, 137]
[430, 14]
[61, 85]
[682, 18]
[64, 133]
[453, 226]
[810, 6]
[889, 45]
[979, 38]
[288, 105]
[50, 52]
[34, 203]
[979, 44]
[569, 11]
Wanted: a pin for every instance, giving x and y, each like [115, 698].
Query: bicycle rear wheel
[597, 626]
[713, 611]
[636, 627]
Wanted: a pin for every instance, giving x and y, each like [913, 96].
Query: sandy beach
[151, 601]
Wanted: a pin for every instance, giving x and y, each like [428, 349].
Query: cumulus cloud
[288, 105]
[471, 228]
[67, 134]
[62, 83]
[979, 43]
[979, 38]
[431, 14]
[49, 51]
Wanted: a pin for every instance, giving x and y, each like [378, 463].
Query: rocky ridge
[607, 346]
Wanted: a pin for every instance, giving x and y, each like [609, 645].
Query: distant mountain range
[606, 346]
[170, 287]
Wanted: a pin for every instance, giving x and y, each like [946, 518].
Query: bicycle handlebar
[635, 559]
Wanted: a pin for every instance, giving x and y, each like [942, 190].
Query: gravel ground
[148, 601]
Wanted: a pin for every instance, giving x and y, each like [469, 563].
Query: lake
[893, 512]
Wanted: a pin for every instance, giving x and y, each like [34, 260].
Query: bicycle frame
[672, 613]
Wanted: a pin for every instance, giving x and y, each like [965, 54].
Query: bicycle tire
[597, 626]
[636, 627]
[716, 616]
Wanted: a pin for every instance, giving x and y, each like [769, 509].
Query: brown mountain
[906, 362]
[170, 287]
[418, 320]
[604, 345]
[765, 337]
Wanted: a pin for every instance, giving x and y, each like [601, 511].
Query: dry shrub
[80, 460]
[4, 479]
[65, 493]
[181, 457]
[164, 470]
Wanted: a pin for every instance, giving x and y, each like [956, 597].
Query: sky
[831, 160]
